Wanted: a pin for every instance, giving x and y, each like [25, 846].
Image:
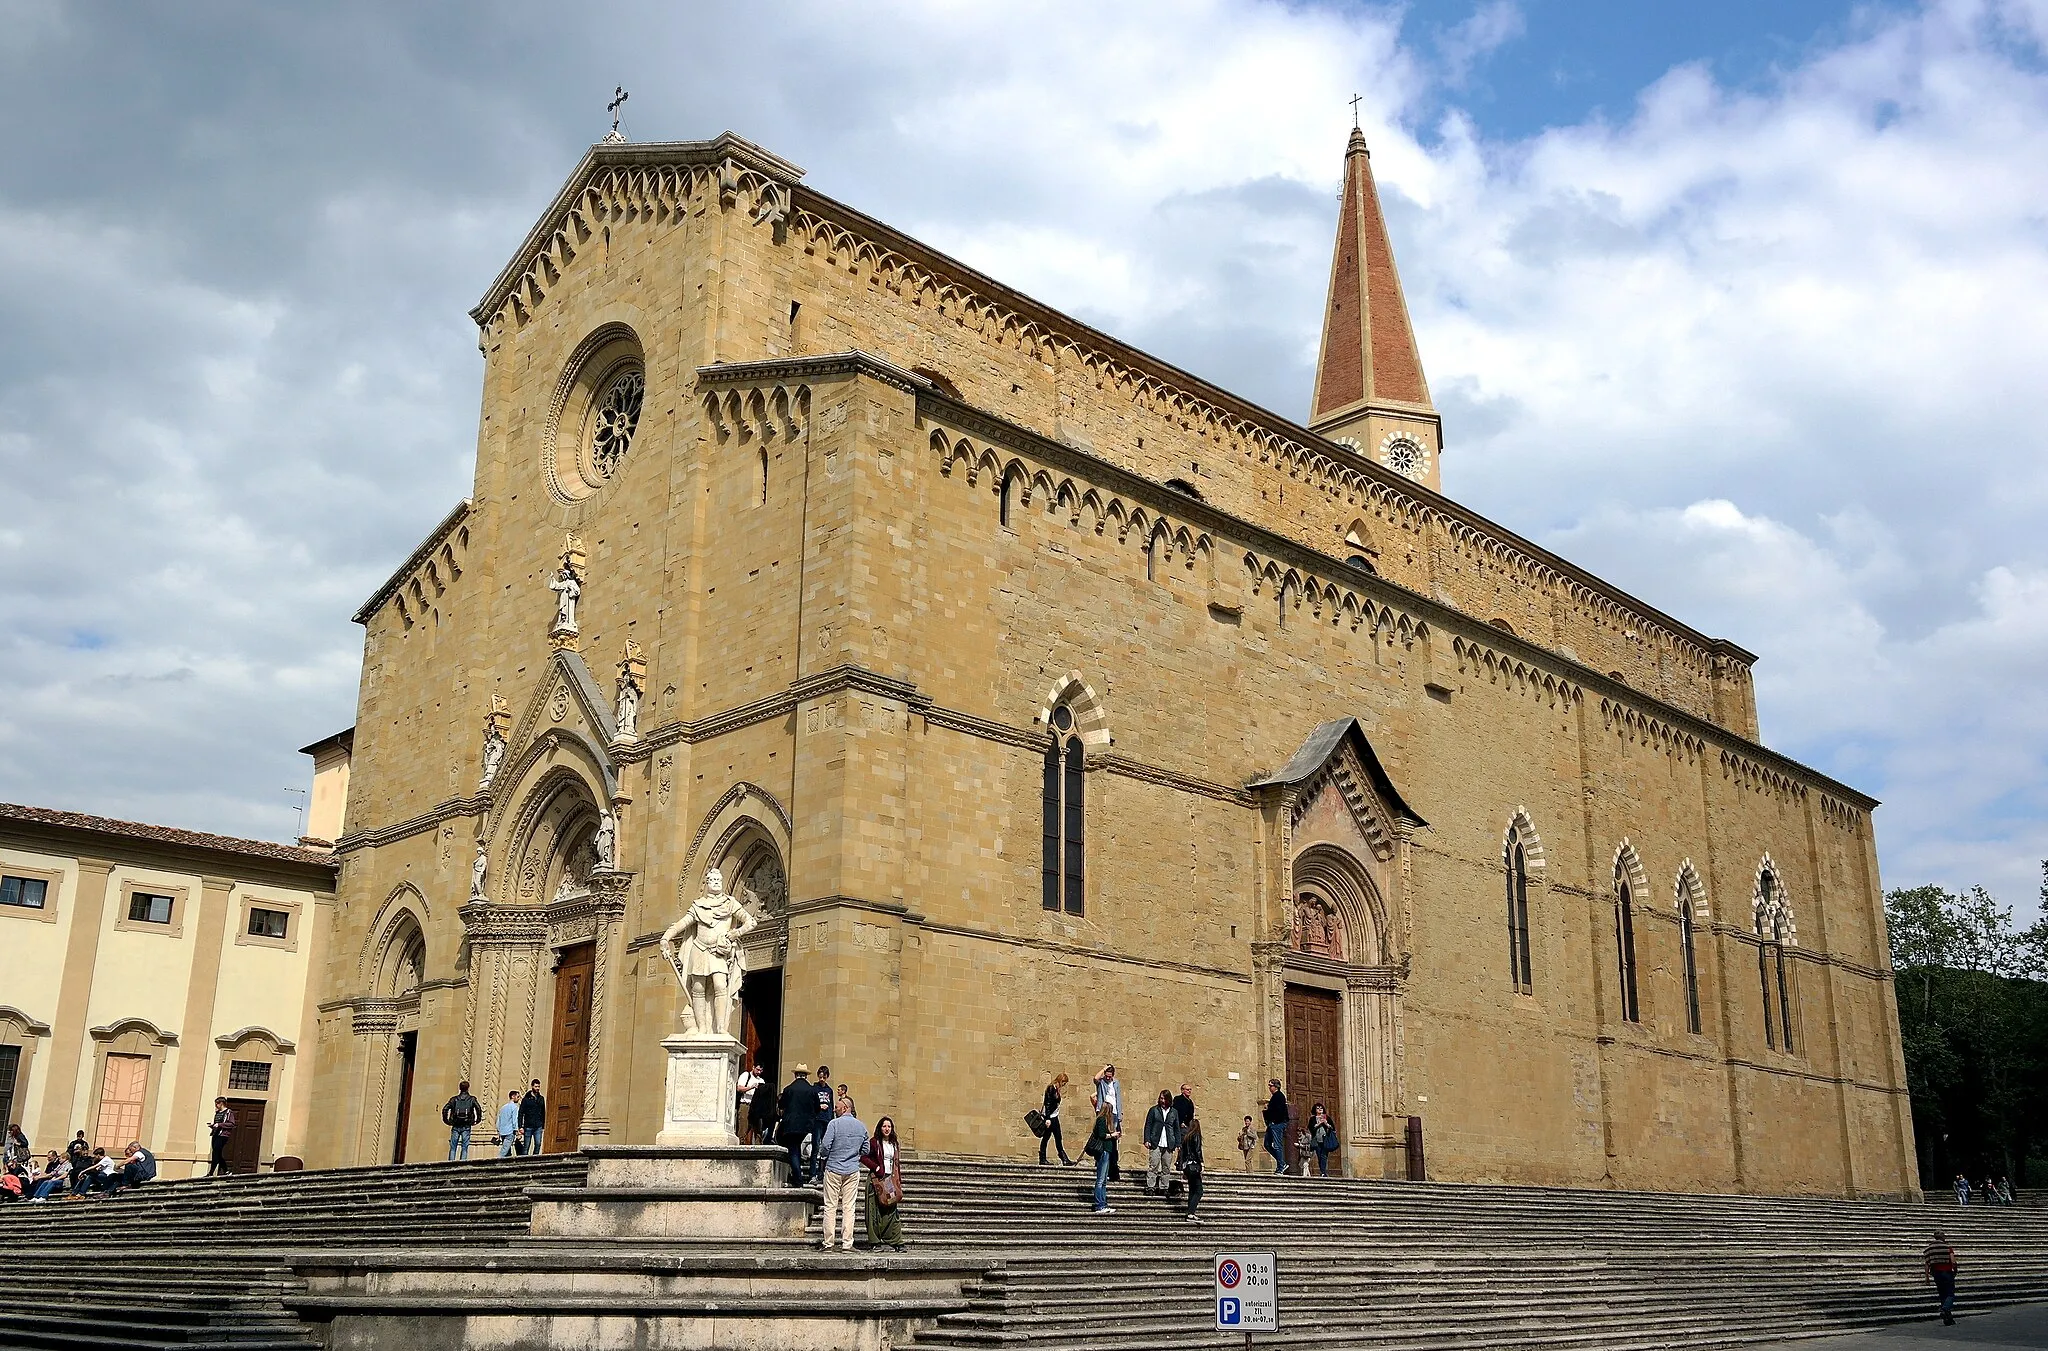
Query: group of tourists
[82, 1170]
[521, 1123]
[828, 1147]
[1173, 1137]
[1992, 1191]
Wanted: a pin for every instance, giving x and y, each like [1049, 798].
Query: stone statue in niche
[632, 674]
[477, 867]
[1318, 930]
[704, 948]
[568, 588]
[604, 846]
[495, 723]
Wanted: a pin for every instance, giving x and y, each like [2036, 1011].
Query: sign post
[1247, 1293]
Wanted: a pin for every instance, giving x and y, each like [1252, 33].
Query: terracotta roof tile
[136, 830]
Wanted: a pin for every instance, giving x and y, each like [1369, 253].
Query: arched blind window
[1625, 948]
[1065, 820]
[1692, 970]
[1517, 867]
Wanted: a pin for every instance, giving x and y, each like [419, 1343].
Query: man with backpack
[461, 1112]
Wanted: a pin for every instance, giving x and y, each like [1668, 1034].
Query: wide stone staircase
[1401, 1266]
[1362, 1264]
[204, 1263]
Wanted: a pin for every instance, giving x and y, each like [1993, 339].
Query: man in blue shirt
[839, 1149]
[508, 1125]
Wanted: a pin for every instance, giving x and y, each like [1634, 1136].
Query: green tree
[1973, 1022]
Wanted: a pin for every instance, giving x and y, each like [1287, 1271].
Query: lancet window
[1516, 865]
[1691, 960]
[1625, 949]
[1772, 927]
[1065, 818]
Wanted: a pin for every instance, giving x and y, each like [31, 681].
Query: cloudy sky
[1746, 310]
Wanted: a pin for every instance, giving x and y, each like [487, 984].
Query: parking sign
[1247, 1293]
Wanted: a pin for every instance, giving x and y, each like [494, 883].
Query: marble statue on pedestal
[476, 871]
[703, 947]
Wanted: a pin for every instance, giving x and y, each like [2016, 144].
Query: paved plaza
[2024, 1326]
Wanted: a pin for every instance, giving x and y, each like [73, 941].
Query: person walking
[459, 1114]
[749, 1084]
[508, 1125]
[1055, 1090]
[799, 1111]
[839, 1153]
[217, 1132]
[884, 1161]
[1962, 1190]
[1322, 1138]
[761, 1112]
[18, 1151]
[1191, 1167]
[1941, 1267]
[1247, 1142]
[533, 1118]
[1276, 1126]
[821, 1120]
[1109, 1093]
[1101, 1147]
[1184, 1107]
[1162, 1141]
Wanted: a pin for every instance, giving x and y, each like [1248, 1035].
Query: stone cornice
[836, 365]
[419, 555]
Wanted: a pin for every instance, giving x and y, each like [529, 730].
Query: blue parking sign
[1247, 1292]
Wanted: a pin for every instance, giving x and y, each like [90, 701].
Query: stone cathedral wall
[924, 962]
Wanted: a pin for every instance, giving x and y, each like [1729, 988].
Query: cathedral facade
[1051, 707]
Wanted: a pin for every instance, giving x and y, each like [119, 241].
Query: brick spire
[1369, 363]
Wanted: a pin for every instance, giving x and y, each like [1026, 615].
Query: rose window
[1404, 457]
[616, 418]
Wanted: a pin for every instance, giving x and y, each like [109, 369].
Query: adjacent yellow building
[149, 970]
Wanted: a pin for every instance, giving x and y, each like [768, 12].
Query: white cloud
[1770, 358]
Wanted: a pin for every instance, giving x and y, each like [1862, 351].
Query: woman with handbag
[1322, 1138]
[1054, 1091]
[884, 1160]
[1101, 1147]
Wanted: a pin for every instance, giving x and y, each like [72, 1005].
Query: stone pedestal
[702, 1093]
[667, 1193]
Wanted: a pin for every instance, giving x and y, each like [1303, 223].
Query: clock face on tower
[1405, 455]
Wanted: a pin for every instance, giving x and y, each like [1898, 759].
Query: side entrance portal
[571, 1046]
[245, 1143]
[1315, 1038]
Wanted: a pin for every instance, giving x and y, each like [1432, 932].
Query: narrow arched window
[1007, 500]
[764, 476]
[1625, 949]
[1064, 852]
[1766, 931]
[1692, 970]
[1784, 985]
[1519, 965]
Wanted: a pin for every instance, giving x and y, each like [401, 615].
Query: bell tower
[1370, 393]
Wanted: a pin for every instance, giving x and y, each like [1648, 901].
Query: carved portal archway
[551, 896]
[1332, 968]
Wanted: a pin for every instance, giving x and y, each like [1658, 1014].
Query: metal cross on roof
[619, 97]
[1355, 100]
